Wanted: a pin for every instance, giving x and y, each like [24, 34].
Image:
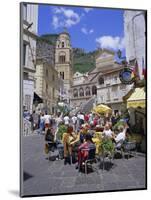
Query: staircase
[88, 105]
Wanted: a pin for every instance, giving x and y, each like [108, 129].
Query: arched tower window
[62, 44]
[62, 57]
[94, 90]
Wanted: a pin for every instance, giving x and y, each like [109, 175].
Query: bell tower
[63, 61]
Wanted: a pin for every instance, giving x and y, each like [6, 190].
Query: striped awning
[137, 98]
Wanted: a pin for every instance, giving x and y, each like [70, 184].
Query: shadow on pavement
[27, 176]
[107, 165]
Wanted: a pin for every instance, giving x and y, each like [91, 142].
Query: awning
[102, 109]
[137, 98]
[37, 99]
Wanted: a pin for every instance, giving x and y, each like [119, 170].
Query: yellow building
[47, 86]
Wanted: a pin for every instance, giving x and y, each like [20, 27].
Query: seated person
[107, 132]
[121, 136]
[69, 139]
[83, 150]
[49, 138]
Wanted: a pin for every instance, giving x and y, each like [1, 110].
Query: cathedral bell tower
[63, 62]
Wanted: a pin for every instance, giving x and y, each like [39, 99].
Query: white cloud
[86, 31]
[55, 22]
[91, 31]
[109, 42]
[88, 9]
[65, 17]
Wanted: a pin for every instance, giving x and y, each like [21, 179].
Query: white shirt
[42, 118]
[81, 116]
[66, 120]
[108, 133]
[120, 136]
[47, 119]
[74, 119]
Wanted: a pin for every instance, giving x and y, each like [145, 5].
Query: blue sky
[89, 28]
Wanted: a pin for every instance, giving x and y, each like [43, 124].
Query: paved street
[52, 177]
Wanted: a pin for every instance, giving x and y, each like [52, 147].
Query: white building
[110, 90]
[135, 37]
[78, 78]
[30, 22]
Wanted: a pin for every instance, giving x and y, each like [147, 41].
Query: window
[25, 76]
[46, 88]
[25, 12]
[62, 75]
[62, 44]
[46, 72]
[81, 91]
[27, 101]
[115, 78]
[101, 80]
[24, 53]
[94, 90]
[53, 93]
[62, 59]
[122, 87]
[108, 95]
[75, 93]
[87, 91]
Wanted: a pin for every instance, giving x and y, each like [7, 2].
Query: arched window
[101, 80]
[94, 90]
[81, 92]
[75, 93]
[62, 57]
[62, 44]
[87, 92]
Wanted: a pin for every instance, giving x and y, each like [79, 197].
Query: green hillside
[83, 61]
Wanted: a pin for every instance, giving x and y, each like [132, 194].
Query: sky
[89, 28]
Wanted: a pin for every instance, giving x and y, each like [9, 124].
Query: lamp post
[122, 58]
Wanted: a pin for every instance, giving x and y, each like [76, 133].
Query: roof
[101, 51]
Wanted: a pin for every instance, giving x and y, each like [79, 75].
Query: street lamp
[122, 58]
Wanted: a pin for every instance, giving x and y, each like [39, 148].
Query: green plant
[107, 145]
[117, 125]
[62, 129]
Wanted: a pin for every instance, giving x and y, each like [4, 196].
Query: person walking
[74, 122]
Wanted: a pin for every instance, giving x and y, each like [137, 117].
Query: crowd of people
[77, 140]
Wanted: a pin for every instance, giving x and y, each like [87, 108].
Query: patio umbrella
[102, 109]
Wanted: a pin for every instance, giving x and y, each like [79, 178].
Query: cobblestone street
[53, 177]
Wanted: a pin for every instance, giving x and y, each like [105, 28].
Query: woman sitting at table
[69, 139]
[83, 150]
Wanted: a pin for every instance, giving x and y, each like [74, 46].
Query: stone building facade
[135, 37]
[110, 90]
[63, 62]
[78, 78]
[29, 20]
[47, 86]
[102, 84]
[45, 50]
